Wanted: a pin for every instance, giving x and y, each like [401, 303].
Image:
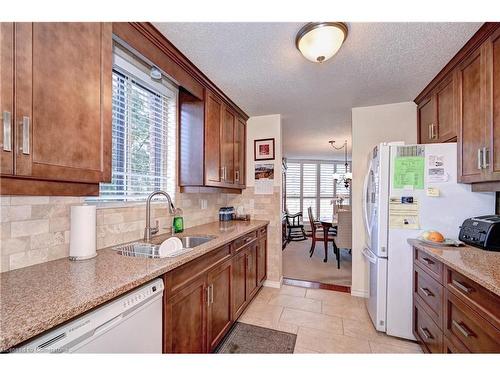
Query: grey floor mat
[246, 338]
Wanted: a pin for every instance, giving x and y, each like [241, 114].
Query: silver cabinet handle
[464, 330]
[7, 131]
[427, 292]
[486, 157]
[430, 131]
[479, 158]
[426, 333]
[237, 176]
[464, 288]
[208, 295]
[428, 261]
[211, 293]
[26, 135]
[434, 131]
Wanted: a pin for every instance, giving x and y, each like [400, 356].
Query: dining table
[327, 223]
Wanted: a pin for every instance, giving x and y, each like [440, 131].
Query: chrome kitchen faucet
[148, 231]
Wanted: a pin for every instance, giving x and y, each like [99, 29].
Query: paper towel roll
[82, 235]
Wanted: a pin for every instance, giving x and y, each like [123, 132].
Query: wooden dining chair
[317, 234]
[295, 227]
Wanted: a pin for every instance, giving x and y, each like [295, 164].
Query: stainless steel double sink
[151, 249]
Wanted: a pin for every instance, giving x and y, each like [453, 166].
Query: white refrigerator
[391, 180]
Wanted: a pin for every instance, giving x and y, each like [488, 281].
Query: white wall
[261, 127]
[370, 126]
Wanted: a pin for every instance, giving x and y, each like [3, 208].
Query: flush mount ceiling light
[319, 41]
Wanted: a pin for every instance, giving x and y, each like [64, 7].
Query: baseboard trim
[359, 293]
[273, 284]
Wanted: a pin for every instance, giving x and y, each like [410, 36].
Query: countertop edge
[429, 250]
[28, 333]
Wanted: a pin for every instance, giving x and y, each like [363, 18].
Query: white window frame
[318, 196]
[132, 64]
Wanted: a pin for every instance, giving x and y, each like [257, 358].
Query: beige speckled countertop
[480, 266]
[37, 298]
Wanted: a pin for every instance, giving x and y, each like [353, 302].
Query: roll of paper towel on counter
[82, 236]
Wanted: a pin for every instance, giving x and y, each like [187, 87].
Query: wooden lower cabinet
[261, 260]
[451, 313]
[239, 283]
[219, 316]
[185, 319]
[251, 278]
[204, 297]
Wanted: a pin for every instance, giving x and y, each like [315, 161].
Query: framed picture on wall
[263, 149]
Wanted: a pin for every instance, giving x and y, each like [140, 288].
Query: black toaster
[482, 232]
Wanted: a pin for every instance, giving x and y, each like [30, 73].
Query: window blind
[311, 184]
[143, 140]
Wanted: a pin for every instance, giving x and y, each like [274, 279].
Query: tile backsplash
[36, 229]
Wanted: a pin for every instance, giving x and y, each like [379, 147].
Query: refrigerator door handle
[365, 195]
[369, 255]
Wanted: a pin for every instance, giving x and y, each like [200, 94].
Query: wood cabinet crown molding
[161, 42]
[474, 43]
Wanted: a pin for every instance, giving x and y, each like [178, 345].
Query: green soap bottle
[178, 223]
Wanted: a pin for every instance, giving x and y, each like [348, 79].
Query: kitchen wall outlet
[203, 204]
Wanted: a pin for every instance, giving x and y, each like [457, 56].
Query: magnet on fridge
[432, 192]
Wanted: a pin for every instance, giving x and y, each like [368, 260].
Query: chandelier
[346, 177]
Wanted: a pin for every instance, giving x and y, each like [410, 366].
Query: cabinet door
[239, 283]
[7, 98]
[213, 121]
[63, 101]
[426, 120]
[493, 107]
[227, 146]
[252, 281]
[239, 152]
[219, 303]
[446, 129]
[185, 319]
[470, 117]
[261, 260]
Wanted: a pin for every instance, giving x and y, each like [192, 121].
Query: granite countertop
[480, 266]
[37, 298]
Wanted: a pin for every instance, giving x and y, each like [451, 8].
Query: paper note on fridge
[403, 215]
[409, 171]
[436, 169]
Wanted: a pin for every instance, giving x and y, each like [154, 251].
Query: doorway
[310, 184]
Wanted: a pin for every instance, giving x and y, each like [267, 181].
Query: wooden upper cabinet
[65, 82]
[446, 129]
[61, 110]
[213, 122]
[470, 115]
[239, 152]
[7, 98]
[426, 119]
[436, 117]
[227, 146]
[492, 103]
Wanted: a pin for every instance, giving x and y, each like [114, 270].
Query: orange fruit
[435, 237]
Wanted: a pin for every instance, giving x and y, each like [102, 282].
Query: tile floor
[324, 321]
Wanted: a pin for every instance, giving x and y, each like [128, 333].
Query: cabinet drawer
[178, 278]
[243, 241]
[428, 263]
[430, 293]
[427, 332]
[474, 295]
[464, 326]
[262, 232]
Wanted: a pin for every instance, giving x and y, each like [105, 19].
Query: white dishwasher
[131, 323]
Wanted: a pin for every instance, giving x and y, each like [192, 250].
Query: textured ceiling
[258, 67]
